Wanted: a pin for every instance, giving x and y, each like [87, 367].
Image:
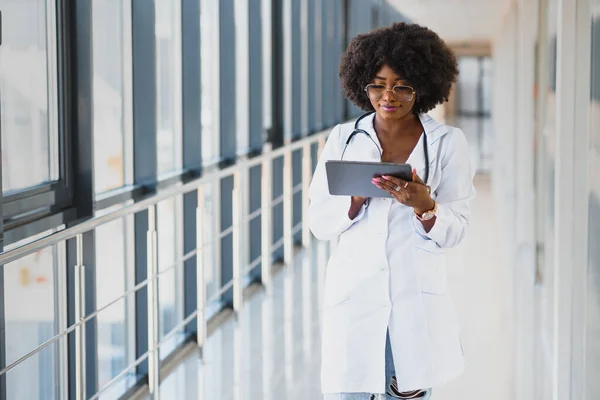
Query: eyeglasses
[401, 93]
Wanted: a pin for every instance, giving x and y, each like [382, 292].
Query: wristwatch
[427, 215]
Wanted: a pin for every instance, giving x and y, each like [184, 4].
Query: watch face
[427, 216]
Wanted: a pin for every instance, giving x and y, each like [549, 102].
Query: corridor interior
[271, 350]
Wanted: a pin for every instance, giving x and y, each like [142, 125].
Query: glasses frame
[366, 89]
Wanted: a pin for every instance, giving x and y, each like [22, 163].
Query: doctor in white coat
[389, 327]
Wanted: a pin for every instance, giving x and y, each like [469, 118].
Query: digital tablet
[353, 178]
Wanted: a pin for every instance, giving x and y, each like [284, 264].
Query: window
[34, 295]
[467, 87]
[168, 85]
[212, 225]
[243, 68]
[170, 270]
[209, 80]
[28, 94]
[267, 63]
[112, 94]
[115, 324]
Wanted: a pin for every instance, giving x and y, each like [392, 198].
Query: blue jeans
[389, 373]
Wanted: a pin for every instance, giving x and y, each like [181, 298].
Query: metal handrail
[241, 217]
[123, 373]
[7, 257]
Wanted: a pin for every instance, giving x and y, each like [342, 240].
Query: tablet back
[353, 178]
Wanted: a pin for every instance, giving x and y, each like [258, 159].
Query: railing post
[266, 221]
[320, 145]
[306, 178]
[153, 325]
[244, 216]
[201, 332]
[215, 210]
[288, 207]
[237, 241]
[80, 381]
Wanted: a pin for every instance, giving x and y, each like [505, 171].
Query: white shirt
[388, 273]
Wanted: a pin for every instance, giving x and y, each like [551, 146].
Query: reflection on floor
[271, 351]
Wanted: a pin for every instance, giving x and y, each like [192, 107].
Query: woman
[389, 327]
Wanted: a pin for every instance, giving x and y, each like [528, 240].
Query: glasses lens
[375, 92]
[403, 93]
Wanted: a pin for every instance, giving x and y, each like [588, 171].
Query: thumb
[416, 178]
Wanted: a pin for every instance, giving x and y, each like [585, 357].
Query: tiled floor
[271, 352]
[480, 279]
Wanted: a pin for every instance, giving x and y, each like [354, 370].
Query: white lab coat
[387, 273]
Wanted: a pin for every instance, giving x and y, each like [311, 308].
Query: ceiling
[457, 20]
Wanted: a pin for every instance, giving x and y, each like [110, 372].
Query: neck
[395, 127]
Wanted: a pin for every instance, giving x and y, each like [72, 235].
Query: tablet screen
[353, 178]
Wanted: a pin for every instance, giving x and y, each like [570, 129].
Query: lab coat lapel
[367, 125]
[432, 128]
[434, 131]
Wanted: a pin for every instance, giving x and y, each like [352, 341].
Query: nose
[389, 96]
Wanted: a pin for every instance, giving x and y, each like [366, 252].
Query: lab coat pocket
[345, 278]
[431, 264]
[336, 279]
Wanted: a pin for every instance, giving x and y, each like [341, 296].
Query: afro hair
[417, 54]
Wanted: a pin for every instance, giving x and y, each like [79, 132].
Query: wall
[544, 120]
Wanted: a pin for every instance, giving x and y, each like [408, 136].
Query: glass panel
[35, 377]
[168, 84]
[28, 93]
[209, 80]
[242, 75]
[170, 281]
[115, 324]
[546, 271]
[32, 317]
[267, 41]
[487, 84]
[593, 279]
[467, 88]
[212, 269]
[112, 92]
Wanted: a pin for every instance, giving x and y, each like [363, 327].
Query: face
[391, 97]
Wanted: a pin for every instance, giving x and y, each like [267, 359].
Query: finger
[416, 177]
[396, 181]
[388, 185]
[404, 186]
[382, 184]
[403, 197]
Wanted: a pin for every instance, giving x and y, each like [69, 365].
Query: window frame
[38, 208]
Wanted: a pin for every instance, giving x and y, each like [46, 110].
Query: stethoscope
[358, 130]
